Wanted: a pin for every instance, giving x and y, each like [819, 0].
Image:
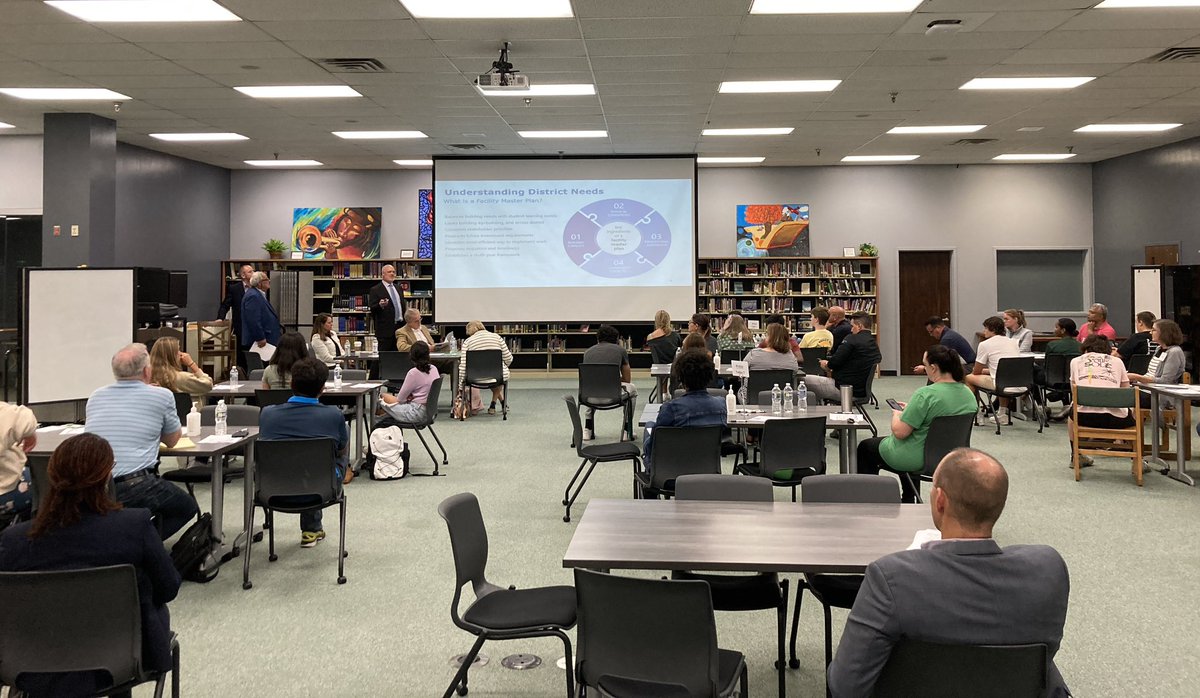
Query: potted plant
[275, 248]
[868, 250]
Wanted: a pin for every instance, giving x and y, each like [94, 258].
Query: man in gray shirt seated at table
[607, 351]
[961, 590]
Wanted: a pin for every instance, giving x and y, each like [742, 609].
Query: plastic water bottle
[222, 424]
[717, 361]
[802, 397]
[788, 399]
[776, 400]
[233, 377]
[337, 376]
[730, 402]
[193, 422]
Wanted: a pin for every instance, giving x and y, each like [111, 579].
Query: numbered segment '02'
[617, 238]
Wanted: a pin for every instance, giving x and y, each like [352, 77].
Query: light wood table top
[741, 536]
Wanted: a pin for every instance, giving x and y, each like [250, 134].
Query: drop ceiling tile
[681, 27]
[1118, 20]
[1112, 39]
[799, 61]
[640, 63]
[228, 50]
[885, 23]
[132, 68]
[387, 51]
[1025, 21]
[186, 31]
[116, 51]
[316, 10]
[397, 30]
[938, 58]
[659, 76]
[688, 46]
[58, 33]
[498, 30]
[1079, 56]
[972, 41]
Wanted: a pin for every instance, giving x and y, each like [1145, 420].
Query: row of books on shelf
[373, 270]
[784, 287]
[729, 267]
[351, 323]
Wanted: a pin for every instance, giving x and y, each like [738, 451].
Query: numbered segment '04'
[617, 238]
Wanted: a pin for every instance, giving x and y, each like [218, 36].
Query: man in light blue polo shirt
[134, 417]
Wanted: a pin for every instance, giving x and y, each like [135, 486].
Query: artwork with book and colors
[337, 233]
[772, 230]
[425, 224]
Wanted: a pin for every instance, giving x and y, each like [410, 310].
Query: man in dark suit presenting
[961, 590]
[260, 324]
[235, 291]
[387, 309]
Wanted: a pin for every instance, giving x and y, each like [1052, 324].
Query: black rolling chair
[838, 590]
[498, 613]
[1139, 363]
[757, 592]
[600, 389]
[791, 450]
[431, 412]
[1014, 376]
[946, 433]
[266, 398]
[593, 454]
[200, 473]
[84, 620]
[183, 405]
[292, 476]
[485, 370]
[679, 451]
[652, 637]
[931, 670]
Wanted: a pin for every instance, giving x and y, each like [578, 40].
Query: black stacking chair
[255, 375]
[679, 451]
[485, 370]
[791, 450]
[498, 613]
[254, 361]
[764, 380]
[291, 476]
[183, 405]
[812, 358]
[83, 620]
[838, 590]
[266, 398]
[1014, 376]
[200, 473]
[1139, 363]
[756, 592]
[932, 670]
[593, 454]
[652, 637]
[600, 389]
[1056, 376]
[946, 433]
[431, 411]
[393, 367]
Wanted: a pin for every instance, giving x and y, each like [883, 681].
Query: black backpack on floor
[192, 548]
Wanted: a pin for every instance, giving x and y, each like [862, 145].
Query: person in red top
[1097, 322]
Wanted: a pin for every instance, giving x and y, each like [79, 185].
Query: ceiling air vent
[1180, 54]
[974, 141]
[353, 65]
[466, 146]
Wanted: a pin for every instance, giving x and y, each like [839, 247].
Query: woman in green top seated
[904, 450]
[1067, 338]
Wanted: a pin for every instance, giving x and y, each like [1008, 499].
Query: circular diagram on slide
[617, 238]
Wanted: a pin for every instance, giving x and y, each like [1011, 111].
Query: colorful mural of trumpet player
[336, 233]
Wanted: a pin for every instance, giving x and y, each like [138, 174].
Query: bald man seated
[962, 590]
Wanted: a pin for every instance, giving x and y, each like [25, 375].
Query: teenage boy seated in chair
[304, 417]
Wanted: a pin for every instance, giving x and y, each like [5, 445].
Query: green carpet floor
[1134, 555]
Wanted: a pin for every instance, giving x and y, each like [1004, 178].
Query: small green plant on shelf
[868, 250]
[274, 248]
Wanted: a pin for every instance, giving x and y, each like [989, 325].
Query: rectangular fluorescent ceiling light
[969, 128]
[1024, 83]
[377, 135]
[746, 131]
[563, 134]
[1034, 156]
[730, 160]
[297, 91]
[145, 10]
[283, 163]
[816, 7]
[198, 137]
[777, 86]
[488, 9]
[539, 91]
[4, 125]
[1126, 128]
[1114, 4]
[879, 158]
[62, 93]
[414, 163]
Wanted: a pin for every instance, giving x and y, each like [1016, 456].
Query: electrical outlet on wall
[74, 231]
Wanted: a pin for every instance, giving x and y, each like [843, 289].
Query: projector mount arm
[503, 67]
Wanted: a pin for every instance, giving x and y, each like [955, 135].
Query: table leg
[850, 443]
[218, 497]
[358, 430]
[247, 510]
[1155, 460]
[1180, 471]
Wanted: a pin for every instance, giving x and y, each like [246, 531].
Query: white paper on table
[72, 430]
[215, 439]
[365, 385]
[740, 369]
[46, 430]
[844, 417]
[925, 535]
[222, 386]
[266, 351]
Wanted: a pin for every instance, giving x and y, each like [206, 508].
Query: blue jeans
[310, 519]
[19, 500]
[170, 505]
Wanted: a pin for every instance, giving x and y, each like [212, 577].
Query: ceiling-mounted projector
[503, 82]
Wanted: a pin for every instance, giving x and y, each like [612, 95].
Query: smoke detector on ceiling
[943, 26]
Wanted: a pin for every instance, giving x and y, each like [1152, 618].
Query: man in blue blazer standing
[260, 324]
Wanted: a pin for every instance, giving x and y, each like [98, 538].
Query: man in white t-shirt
[995, 346]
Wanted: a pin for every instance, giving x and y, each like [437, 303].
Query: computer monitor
[177, 288]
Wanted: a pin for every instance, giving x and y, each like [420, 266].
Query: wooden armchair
[1106, 442]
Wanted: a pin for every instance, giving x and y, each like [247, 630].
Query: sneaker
[1004, 416]
[309, 539]
[588, 434]
[982, 417]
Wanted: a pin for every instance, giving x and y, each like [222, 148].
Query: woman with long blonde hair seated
[176, 371]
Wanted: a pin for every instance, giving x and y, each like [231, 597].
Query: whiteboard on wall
[1147, 290]
[74, 321]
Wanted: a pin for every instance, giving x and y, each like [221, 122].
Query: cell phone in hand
[895, 405]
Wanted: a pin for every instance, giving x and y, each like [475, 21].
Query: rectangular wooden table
[366, 358]
[1178, 394]
[650, 534]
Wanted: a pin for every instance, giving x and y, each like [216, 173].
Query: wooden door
[1162, 254]
[924, 291]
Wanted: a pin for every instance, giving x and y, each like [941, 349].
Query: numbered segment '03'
[617, 238]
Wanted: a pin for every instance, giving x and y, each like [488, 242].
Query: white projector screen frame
[1147, 290]
[503, 249]
[73, 321]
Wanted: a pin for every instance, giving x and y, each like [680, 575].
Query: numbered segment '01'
[617, 238]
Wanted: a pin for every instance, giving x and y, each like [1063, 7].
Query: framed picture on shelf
[408, 254]
[752, 325]
[849, 252]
